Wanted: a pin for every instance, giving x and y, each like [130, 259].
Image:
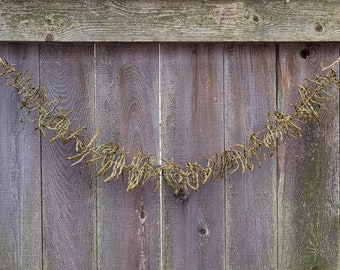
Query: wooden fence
[176, 100]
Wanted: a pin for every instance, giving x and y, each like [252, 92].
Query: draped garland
[111, 157]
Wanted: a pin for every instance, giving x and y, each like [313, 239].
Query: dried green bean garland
[112, 158]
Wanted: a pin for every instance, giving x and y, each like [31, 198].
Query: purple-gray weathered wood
[249, 93]
[283, 216]
[308, 209]
[69, 202]
[20, 181]
[192, 128]
[20, 177]
[127, 112]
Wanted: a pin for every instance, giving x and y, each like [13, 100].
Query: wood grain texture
[249, 76]
[20, 178]
[127, 112]
[284, 215]
[308, 170]
[164, 20]
[69, 201]
[192, 127]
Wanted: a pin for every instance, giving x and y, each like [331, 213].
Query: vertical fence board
[67, 70]
[127, 112]
[192, 119]
[20, 180]
[250, 198]
[308, 170]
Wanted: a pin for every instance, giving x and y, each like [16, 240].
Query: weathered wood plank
[127, 112]
[164, 20]
[192, 128]
[20, 177]
[69, 201]
[308, 170]
[249, 83]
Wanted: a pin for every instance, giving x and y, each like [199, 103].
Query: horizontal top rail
[170, 21]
